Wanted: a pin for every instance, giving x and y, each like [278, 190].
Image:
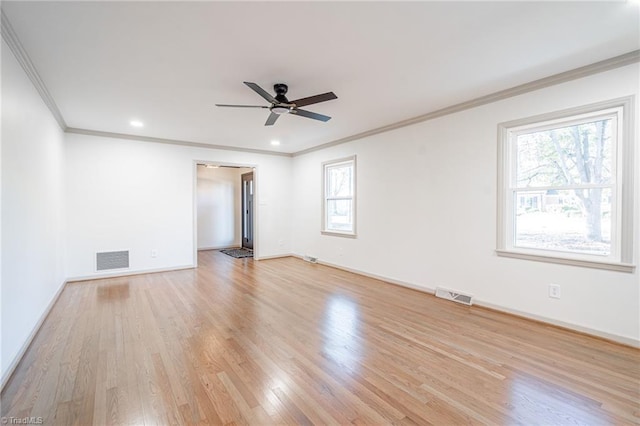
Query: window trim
[323, 227]
[625, 158]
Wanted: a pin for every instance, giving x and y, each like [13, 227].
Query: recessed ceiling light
[136, 123]
[211, 166]
[275, 143]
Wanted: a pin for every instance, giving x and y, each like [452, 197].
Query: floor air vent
[108, 260]
[310, 259]
[465, 299]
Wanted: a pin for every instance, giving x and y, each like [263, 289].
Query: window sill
[611, 266]
[339, 234]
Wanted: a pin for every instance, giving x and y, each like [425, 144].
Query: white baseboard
[575, 327]
[236, 246]
[126, 273]
[275, 256]
[570, 326]
[380, 277]
[23, 349]
[608, 336]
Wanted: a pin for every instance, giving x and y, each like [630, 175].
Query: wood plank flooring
[283, 341]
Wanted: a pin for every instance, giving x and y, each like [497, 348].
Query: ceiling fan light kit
[280, 109]
[281, 105]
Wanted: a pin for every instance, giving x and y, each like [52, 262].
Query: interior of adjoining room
[221, 222]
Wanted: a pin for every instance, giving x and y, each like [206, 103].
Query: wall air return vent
[109, 260]
[465, 299]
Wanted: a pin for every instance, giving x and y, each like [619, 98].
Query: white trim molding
[218, 248]
[23, 349]
[141, 138]
[481, 304]
[611, 266]
[11, 38]
[563, 77]
[585, 71]
[621, 258]
[127, 273]
[615, 338]
[352, 160]
[274, 256]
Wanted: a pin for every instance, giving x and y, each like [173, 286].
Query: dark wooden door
[248, 189]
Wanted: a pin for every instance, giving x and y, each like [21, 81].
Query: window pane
[340, 215]
[340, 181]
[565, 156]
[577, 221]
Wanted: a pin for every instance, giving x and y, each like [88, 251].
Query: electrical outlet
[554, 291]
[154, 253]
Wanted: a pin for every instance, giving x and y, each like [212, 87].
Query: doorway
[247, 210]
[218, 206]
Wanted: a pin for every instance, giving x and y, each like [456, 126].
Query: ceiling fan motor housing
[281, 90]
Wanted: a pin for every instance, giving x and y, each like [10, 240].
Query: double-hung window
[565, 187]
[339, 201]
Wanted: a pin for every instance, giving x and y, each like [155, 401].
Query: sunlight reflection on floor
[341, 327]
[535, 398]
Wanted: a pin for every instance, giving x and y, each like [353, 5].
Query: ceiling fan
[281, 105]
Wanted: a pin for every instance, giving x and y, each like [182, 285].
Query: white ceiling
[168, 63]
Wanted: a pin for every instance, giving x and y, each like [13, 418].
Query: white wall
[32, 209]
[124, 194]
[219, 207]
[427, 213]
[426, 209]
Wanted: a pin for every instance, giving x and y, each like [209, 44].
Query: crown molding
[171, 141]
[11, 38]
[563, 77]
[577, 73]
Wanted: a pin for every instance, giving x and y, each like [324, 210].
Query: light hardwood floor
[284, 341]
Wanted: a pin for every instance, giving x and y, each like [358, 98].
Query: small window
[339, 201]
[562, 187]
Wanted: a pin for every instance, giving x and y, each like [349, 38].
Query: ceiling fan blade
[272, 119]
[315, 99]
[310, 114]
[241, 106]
[260, 91]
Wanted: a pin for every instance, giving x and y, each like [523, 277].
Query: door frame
[194, 204]
[244, 208]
